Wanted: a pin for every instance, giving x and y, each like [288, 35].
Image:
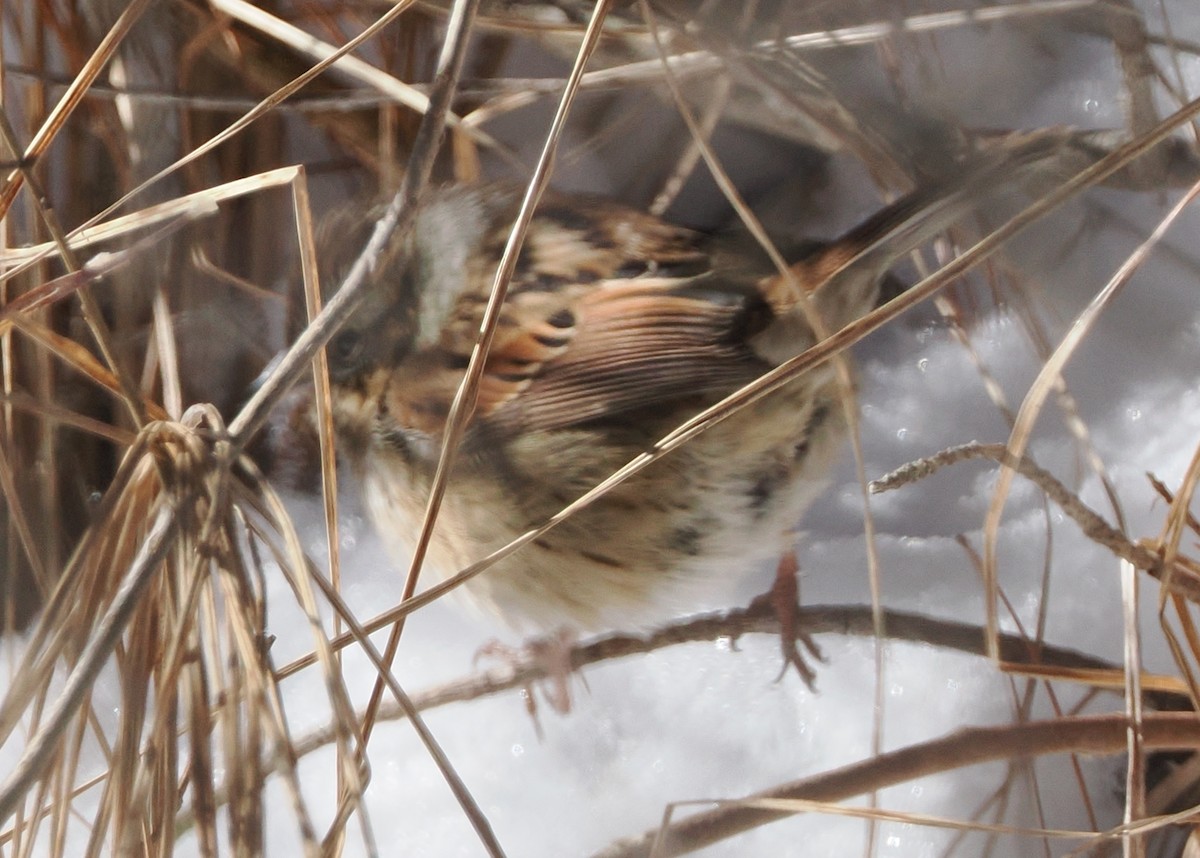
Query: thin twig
[1016, 651]
[1092, 524]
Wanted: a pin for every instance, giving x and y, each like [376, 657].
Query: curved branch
[1102, 734]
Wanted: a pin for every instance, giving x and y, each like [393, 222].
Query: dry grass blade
[95, 653]
[95, 268]
[1179, 518]
[195, 205]
[465, 397]
[820, 328]
[287, 34]
[56, 415]
[1091, 735]
[689, 65]
[260, 110]
[77, 357]
[19, 521]
[1047, 380]
[72, 98]
[168, 523]
[352, 773]
[1135, 778]
[881, 815]
[91, 310]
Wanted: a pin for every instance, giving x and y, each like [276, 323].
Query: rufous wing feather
[632, 344]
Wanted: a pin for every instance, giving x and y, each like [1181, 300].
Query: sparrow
[618, 326]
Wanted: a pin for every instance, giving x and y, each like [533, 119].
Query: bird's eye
[345, 348]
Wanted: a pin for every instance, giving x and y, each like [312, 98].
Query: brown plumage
[618, 326]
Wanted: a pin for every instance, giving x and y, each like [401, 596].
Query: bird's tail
[843, 277]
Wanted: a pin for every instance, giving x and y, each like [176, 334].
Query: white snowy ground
[701, 721]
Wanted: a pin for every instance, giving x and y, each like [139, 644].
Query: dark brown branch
[1103, 734]
[853, 620]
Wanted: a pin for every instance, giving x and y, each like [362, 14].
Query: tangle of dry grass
[140, 275]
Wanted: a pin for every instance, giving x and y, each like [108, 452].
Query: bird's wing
[610, 310]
